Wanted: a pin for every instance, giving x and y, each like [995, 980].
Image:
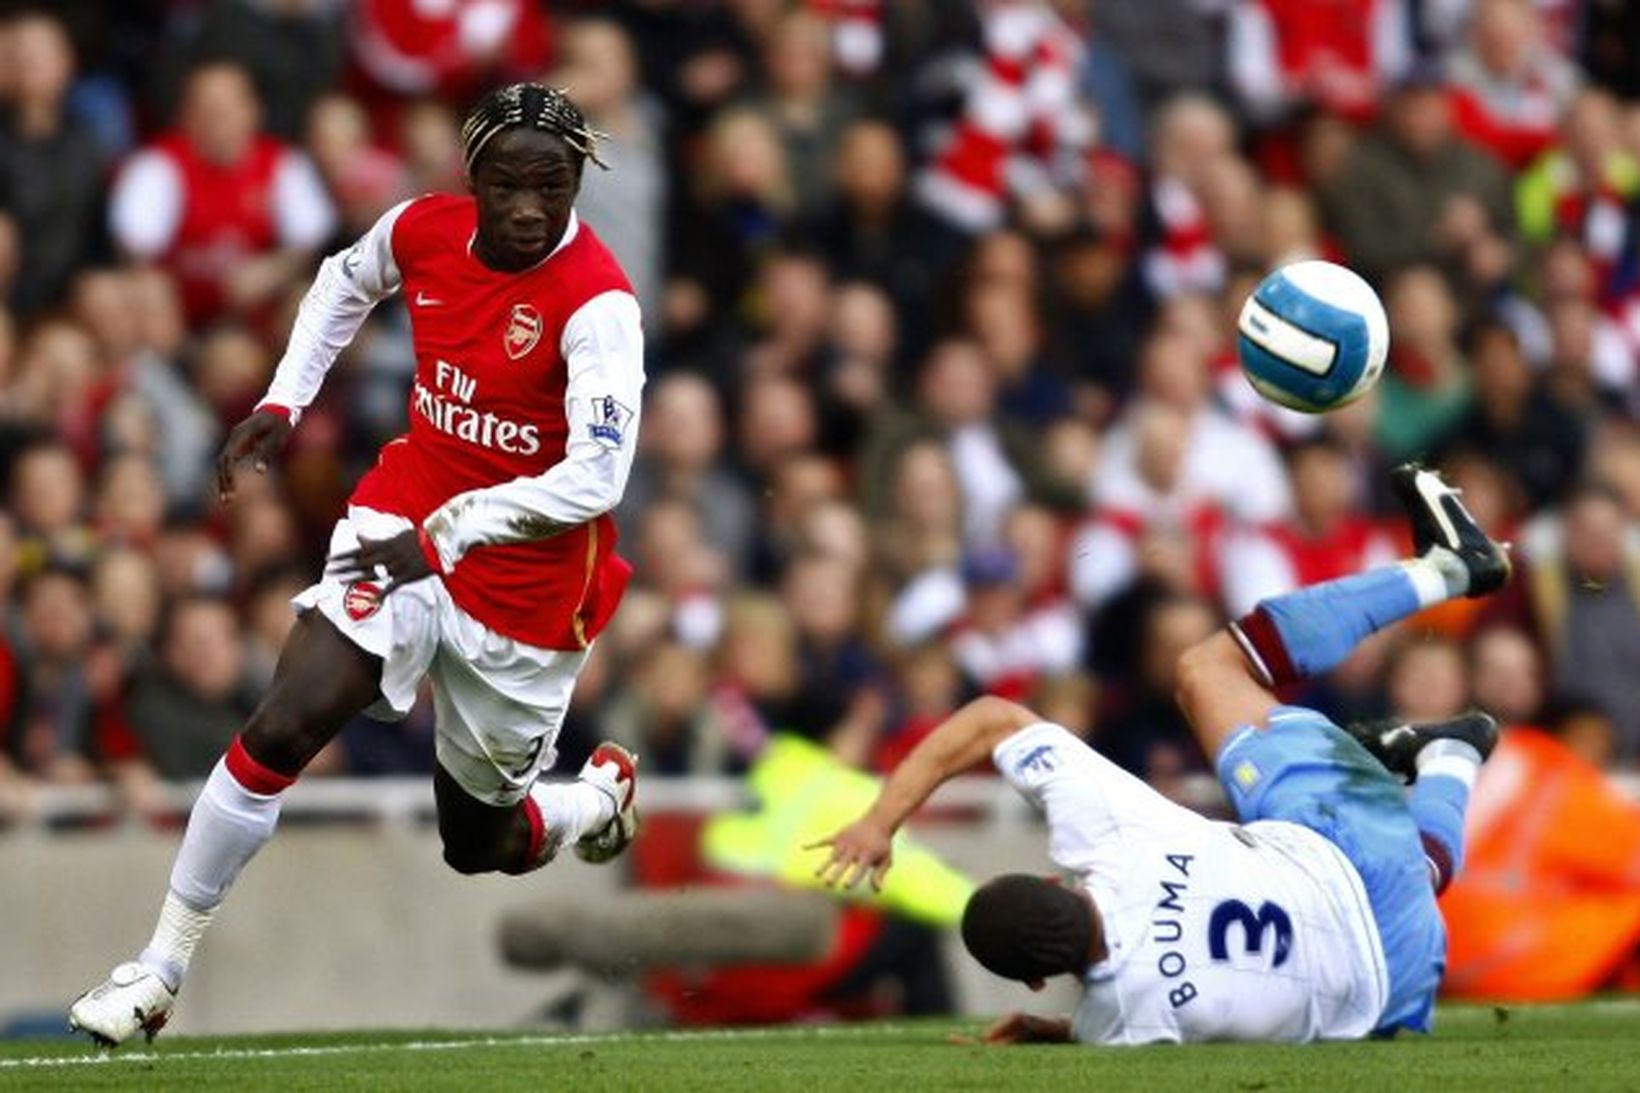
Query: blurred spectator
[1412, 192]
[1152, 523]
[659, 712]
[742, 202]
[957, 400]
[1144, 732]
[1022, 129]
[1515, 421]
[1510, 84]
[130, 504]
[1547, 906]
[1508, 675]
[186, 707]
[232, 212]
[1223, 462]
[822, 597]
[1426, 385]
[48, 502]
[1583, 580]
[626, 204]
[1426, 679]
[1581, 185]
[677, 563]
[1097, 313]
[681, 458]
[1017, 627]
[1338, 55]
[1328, 535]
[407, 48]
[122, 311]
[1167, 48]
[50, 164]
[52, 727]
[805, 104]
[874, 232]
[364, 179]
[1192, 135]
[291, 48]
[920, 530]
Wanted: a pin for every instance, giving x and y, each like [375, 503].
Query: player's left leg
[1309, 632]
[499, 708]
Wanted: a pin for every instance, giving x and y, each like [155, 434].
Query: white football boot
[614, 772]
[133, 998]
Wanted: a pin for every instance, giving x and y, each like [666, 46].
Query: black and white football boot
[1396, 743]
[1439, 519]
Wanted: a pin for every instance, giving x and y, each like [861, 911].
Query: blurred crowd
[940, 300]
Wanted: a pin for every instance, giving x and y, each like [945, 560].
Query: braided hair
[531, 105]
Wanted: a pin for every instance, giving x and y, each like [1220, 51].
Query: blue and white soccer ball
[1313, 336]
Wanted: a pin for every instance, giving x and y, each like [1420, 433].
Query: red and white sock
[234, 815]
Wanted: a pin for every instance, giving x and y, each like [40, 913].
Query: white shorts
[499, 702]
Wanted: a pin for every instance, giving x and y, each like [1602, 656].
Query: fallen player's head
[525, 146]
[1029, 928]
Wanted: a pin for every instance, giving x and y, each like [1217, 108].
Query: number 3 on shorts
[528, 765]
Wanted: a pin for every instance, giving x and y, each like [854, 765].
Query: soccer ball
[1313, 336]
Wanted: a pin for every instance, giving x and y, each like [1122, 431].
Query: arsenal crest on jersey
[361, 600]
[523, 330]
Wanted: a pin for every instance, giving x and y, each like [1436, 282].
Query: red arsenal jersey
[522, 420]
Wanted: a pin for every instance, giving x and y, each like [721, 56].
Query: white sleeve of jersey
[145, 207]
[301, 206]
[1093, 807]
[603, 349]
[346, 287]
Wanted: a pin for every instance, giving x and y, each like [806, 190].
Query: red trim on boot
[535, 854]
[252, 775]
[1262, 642]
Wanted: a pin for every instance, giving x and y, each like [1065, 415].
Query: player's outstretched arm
[865, 847]
[346, 288]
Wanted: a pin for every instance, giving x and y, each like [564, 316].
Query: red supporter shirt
[203, 219]
[522, 418]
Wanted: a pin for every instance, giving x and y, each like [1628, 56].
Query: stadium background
[940, 299]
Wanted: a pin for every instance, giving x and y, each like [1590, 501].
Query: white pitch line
[105, 1058]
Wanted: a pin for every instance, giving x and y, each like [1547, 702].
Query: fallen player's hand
[401, 556]
[258, 438]
[859, 849]
[1021, 1028]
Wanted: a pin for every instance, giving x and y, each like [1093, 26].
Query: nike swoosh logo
[424, 300]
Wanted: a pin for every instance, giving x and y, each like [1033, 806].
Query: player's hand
[862, 848]
[401, 556]
[258, 438]
[1021, 1028]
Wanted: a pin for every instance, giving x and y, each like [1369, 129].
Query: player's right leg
[322, 681]
[1309, 632]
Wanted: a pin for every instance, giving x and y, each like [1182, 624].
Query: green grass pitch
[1584, 1047]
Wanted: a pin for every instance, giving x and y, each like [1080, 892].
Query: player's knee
[1002, 715]
[275, 738]
[1199, 667]
[469, 860]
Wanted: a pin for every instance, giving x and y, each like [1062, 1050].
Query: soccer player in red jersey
[478, 552]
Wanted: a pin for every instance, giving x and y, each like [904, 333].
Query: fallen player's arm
[1022, 1028]
[864, 848]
